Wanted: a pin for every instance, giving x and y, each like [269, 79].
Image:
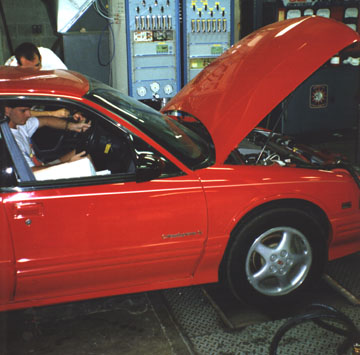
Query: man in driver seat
[23, 126]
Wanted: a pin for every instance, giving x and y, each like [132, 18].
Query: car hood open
[235, 92]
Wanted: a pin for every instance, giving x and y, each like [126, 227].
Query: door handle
[28, 209]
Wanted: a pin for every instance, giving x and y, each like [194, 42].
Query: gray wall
[78, 50]
[21, 15]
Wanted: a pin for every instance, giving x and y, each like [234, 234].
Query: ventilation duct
[69, 11]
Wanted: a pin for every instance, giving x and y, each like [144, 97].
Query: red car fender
[319, 189]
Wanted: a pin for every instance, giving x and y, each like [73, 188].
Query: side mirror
[148, 167]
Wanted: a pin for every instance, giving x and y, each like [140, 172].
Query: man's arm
[59, 123]
[69, 157]
[62, 113]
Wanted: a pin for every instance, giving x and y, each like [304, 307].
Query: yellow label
[281, 15]
[107, 148]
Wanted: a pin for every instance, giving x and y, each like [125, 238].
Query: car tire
[275, 256]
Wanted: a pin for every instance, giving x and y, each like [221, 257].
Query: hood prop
[284, 106]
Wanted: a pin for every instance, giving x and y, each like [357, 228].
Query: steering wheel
[86, 139]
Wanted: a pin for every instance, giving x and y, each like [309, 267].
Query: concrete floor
[175, 322]
[130, 324]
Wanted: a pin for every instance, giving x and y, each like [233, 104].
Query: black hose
[316, 313]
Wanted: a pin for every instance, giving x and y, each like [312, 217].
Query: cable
[101, 6]
[108, 25]
[316, 313]
[102, 12]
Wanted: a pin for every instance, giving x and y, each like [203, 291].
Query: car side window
[108, 150]
[142, 148]
[99, 149]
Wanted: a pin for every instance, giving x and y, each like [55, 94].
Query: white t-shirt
[49, 60]
[22, 135]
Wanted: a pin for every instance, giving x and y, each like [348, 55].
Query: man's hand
[72, 156]
[78, 156]
[78, 117]
[78, 126]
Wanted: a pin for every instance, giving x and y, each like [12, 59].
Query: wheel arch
[303, 206]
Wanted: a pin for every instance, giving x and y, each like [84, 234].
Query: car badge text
[180, 235]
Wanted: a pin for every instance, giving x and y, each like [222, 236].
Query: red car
[182, 197]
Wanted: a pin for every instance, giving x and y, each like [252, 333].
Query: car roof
[24, 81]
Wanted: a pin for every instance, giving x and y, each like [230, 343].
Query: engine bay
[263, 147]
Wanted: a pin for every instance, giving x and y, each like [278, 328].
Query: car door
[7, 262]
[103, 233]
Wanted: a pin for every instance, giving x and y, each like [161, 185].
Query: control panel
[346, 11]
[330, 92]
[208, 32]
[153, 48]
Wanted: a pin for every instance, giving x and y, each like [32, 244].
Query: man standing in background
[28, 55]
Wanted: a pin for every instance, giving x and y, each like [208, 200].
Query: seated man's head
[18, 115]
[28, 55]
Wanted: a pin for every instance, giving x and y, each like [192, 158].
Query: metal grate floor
[344, 272]
[208, 332]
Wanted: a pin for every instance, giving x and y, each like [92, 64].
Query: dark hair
[27, 50]
[12, 104]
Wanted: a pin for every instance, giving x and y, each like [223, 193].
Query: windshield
[185, 144]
